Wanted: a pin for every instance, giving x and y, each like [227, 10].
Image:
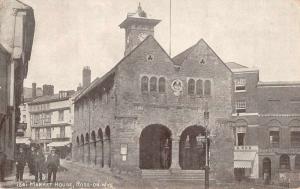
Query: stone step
[173, 175]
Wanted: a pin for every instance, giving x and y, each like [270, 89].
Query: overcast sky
[70, 34]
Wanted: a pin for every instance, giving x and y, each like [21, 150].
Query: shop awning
[23, 141]
[58, 143]
[244, 159]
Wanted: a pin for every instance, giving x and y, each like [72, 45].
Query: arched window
[153, 84]
[297, 161]
[144, 84]
[191, 86]
[284, 162]
[87, 138]
[77, 141]
[199, 87]
[207, 88]
[162, 85]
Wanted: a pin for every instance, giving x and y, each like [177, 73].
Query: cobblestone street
[74, 175]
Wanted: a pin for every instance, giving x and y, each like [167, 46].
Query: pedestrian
[52, 165]
[38, 163]
[2, 164]
[30, 155]
[20, 164]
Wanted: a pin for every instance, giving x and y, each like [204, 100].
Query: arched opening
[297, 161]
[144, 84]
[284, 162]
[88, 151]
[100, 152]
[191, 86]
[267, 169]
[82, 148]
[77, 149]
[107, 152]
[192, 148]
[155, 147]
[207, 88]
[94, 149]
[199, 87]
[153, 84]
[162, 85]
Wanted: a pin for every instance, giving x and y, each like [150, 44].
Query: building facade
[146, 115]
[51, 119]
[16, 37]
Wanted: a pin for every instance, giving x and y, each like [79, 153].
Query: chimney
[86, 76]
[33, 90]
[48, 90]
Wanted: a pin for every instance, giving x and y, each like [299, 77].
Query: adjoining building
[146, 115]
[17, 26]
[51, 120]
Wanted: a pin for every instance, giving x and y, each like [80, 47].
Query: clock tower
[137, 27]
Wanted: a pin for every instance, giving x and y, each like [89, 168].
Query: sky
[70, 34]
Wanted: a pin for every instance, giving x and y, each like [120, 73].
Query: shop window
[240, 106]
[144, 84]
[240, 85]
[162, 85]
[295, 138]
[284, 162]
[274, 139]
[153, 84]
[191, 86]
[199, 87]
[207, 88]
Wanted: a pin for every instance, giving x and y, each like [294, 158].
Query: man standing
[20, 164]
[52, 165]
[2, 165]
[38, 161]
[30, 161]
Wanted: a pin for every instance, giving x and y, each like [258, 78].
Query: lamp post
[206, 121]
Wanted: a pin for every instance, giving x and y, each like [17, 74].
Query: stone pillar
[175, 154]
[106, 149]
[292, 161]
[99, 152]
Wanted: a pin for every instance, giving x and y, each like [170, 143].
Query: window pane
[191, 86]
[199, 87]
[162, 85]
[284, 161]
[207, 88]
[153, 85]
[274, 139]
[295, 139]
[144, 84]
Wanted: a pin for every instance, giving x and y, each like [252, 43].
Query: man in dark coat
[20, 164]
[52, 165]
[2, 165]
[30, 155]
[38, 162]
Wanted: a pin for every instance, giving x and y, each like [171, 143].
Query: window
[241, 139]
[153, 84]
[191, 86]
[48, 136]
[274, 139]
[284, 162]
[62, 132]
[199, 87]
[123, 152]
[144, 84]
[297, 162]
[37, 133]
[240, 106]
[162, 85]
[61, 115]
[240, 84]
[207, 88]
[295, 138]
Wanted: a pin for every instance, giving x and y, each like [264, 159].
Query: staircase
[173, 174]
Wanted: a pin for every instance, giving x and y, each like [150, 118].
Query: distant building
[17, 26]
[51, 120]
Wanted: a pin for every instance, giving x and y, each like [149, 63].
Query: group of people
[37, 163]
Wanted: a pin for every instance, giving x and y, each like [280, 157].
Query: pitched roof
[233, 65]
[180, 58]
[99, 81]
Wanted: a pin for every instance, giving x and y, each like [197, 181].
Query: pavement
[77, 175]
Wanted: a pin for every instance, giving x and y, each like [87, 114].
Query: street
[74, 175]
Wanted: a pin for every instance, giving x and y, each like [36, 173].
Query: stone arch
[192, 148]
[284, 161]
[77, 141]
[267, 168]
[100, 151]
[82, 148]
[93, 148]
[107, 147]
[294, 123]
[274, 123]
[155, 147]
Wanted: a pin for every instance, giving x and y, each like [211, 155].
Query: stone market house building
[17, 26]
[146, 115]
